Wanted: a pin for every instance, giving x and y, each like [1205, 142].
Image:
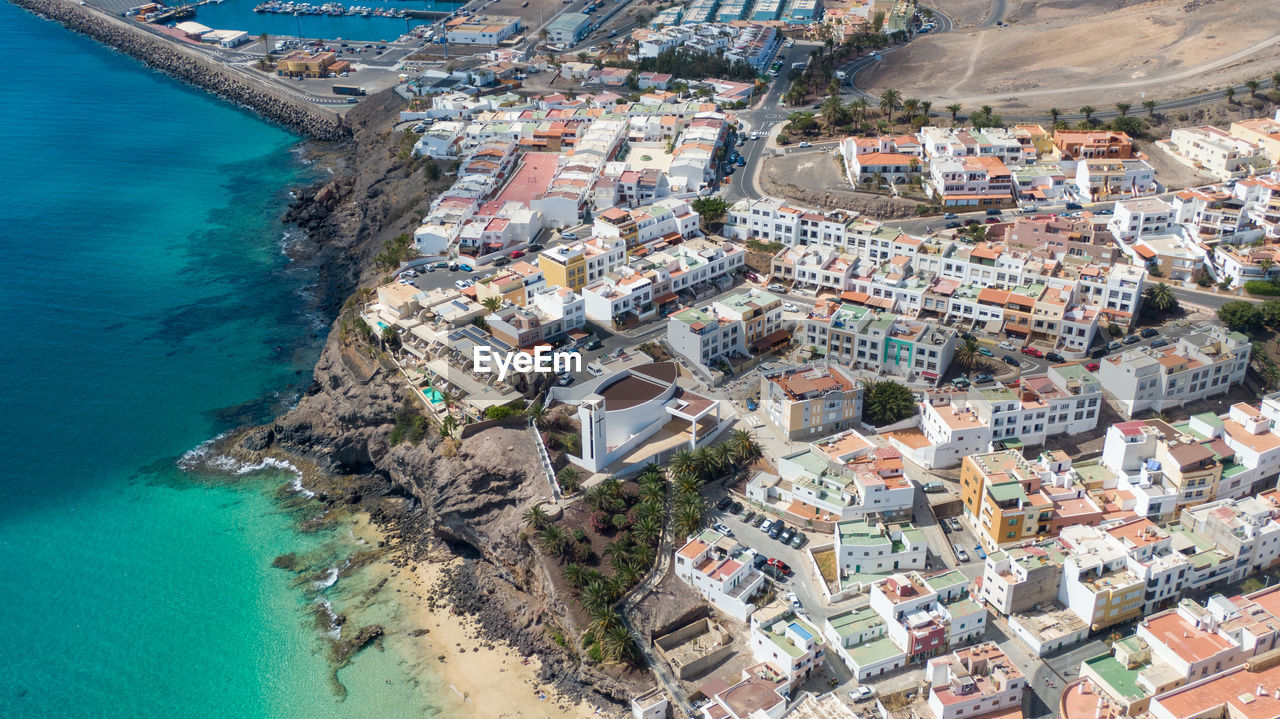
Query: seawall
[189, 65]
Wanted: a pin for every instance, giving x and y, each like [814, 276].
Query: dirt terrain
[1065, 53]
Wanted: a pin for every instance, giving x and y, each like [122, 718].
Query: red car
[993, 220]
[780, 565]
[752, 277]
[517, 254]
[1032, 351]
[1092, 366]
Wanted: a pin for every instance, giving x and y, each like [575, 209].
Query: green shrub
[1262, 287]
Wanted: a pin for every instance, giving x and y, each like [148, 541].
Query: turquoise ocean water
[146, 306]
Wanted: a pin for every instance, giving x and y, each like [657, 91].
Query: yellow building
[1000, 492]
[1260, 131]
[302, 63]
[1193, 469]
[565, 266]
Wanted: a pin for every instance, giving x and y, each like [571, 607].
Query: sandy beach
[483, 683]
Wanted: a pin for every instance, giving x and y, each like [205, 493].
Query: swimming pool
[433, 395]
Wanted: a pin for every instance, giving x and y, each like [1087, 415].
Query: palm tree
[652, 492]
[1150, 107]
[859, 108]
[553, 538]
[447, 425]
[493, 304]
[967, 353]
[1275, 80]
[644, 554]
[647, 529]
[687, 484]
[1055, 113]
[630, 571]
[570, 480]
[1161, 297]
[724, 456]
[687, 521]
[1123, 107]
[536, 516]
[1088, 111]
[910, 107]
[574, 574]
[832, 110]
[683, 463]
[1253, 86]
[704, 463]
[745, 447]
[890, 102]
[617, 645]
[538, 413]
[1230, 93]
[926, 107]
[597, 497]
[595, 594]
[954, 108]
[602, 620]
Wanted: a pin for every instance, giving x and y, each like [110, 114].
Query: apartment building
[883, 342]
[1096, 581]
[844, 477]
[970, 182]
[925, 616]
[1092, 144]
[1138, 217]
[728, 583]
[1263, 132]
[760, 315]
[1008, 500]
[992, 142]
[811, 400]
[864, 548]
[1216, 152]
[1201, 364]
[857, 637]
[578, 264]
[1022, 577]
[787, 642]
[1098, 180]
[727, 328]
[973, 682]
[653, 282]
[670, 220]
[516, 284]
[1169, 256]
[553, 312]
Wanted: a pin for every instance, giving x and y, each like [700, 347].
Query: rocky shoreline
[170, 57]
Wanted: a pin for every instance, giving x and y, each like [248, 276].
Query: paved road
[995, 14]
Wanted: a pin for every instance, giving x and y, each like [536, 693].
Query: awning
[1144, 251]
[929, 375]
[577, 334]
[773, 339]
[663, 299]
[882, 302]
[851, 296]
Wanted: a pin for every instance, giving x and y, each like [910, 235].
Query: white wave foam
[335, 629]
[202, 458]
[330, 579]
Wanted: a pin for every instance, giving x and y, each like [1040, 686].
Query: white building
[729, 584]
[1142, 216]
[1201, 364]
[974, 681]
[1217, 152]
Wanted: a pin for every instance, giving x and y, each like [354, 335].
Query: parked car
[779, 565]
[749, 516]
[592, 344]
[1113, 345]
[1010, 359]
[735, 508]
[960, 382]
[993, 212]
[516, 254]
[977, 549]
[1150, 332]
[793, 600]
[564, 380]
[806, 144]
[1032, 351]
[862, 693]
[1132, 339]
[986, 352]
[786, 535]
[984, 378]
[441, 265]
[776, 529]
[759, 561]
[760, 521]
[993, 220]
[1074, 206]
[962, 555]
[569, 235]
[722, 529]
[799, 540]
[1008, 346]
[950, 216]
[767, 526]
[462, 284]
[1092, 366]
[789, 307]
[535, 247]
[1098, 353]
[466, 268]
[753, 277]
[502, 262]
[723, 504]
[1160, 342]
[946, 528]
[933, 487]
[1054, 357]
[951, 225]
[777, 287]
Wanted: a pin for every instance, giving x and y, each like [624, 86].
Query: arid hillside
[1066, 53]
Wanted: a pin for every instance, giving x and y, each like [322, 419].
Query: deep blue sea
[146, 306]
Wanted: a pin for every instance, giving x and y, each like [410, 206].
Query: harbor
[276, 7]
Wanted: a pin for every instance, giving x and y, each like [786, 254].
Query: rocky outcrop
[169, 56]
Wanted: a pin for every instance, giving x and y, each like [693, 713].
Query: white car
[806, 144]
[789, 307]
[462, 284]
[862, 693]
[1007, 346]
[794, 600]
